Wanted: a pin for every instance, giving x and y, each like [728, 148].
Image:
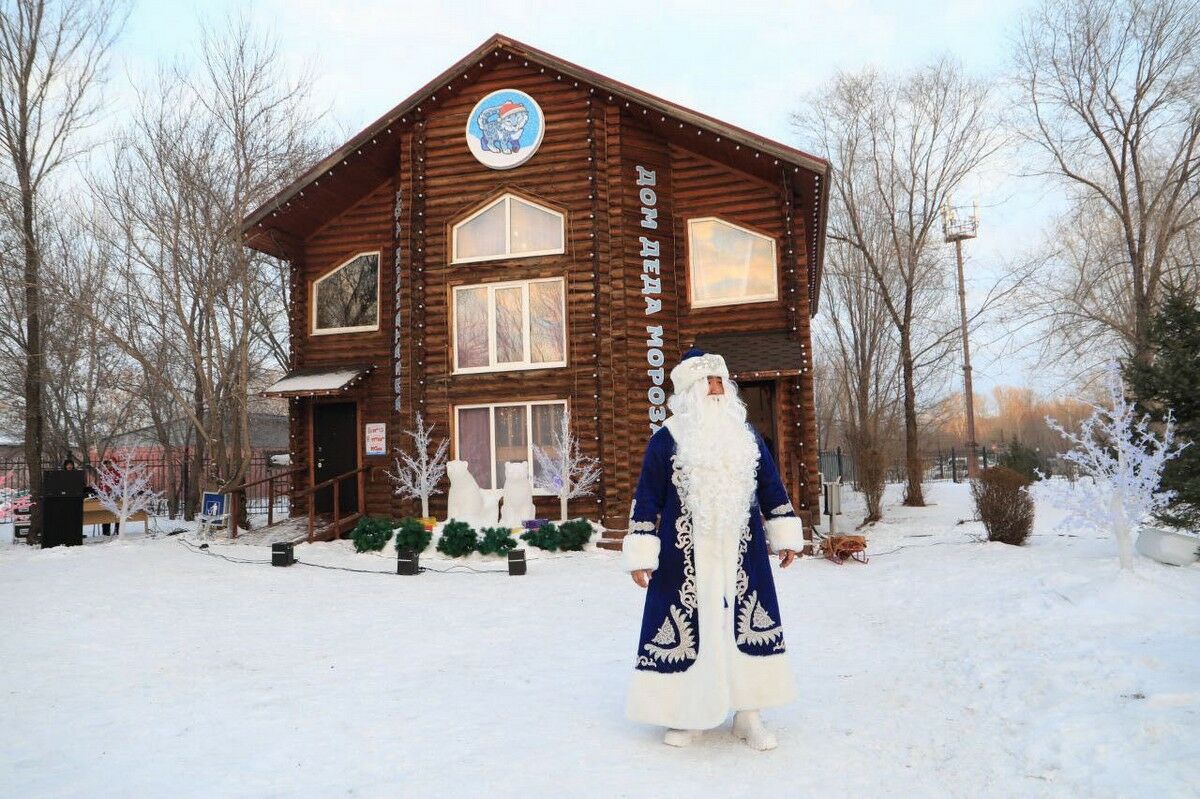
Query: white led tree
[563, 469]
[124, 489]
[1124, 459]
[417, 476]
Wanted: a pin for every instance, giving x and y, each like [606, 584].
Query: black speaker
[63, 483]
[516, 562]
[408, 562]
[62, 508]
[283, 553]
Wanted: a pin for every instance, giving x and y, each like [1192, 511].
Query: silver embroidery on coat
[678, 625]
[781, 510]
[755, 625]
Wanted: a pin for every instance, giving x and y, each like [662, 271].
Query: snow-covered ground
[944, 667]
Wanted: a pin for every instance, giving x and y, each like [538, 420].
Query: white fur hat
[697, 365]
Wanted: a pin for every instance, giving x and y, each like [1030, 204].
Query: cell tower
[957, 228]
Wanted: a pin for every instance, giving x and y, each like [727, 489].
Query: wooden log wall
[364, 227]
[586, 168]
[450, 184]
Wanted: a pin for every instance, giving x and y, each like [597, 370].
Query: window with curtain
[514, 325]
[347, 299]
[488, 436]
[509, 227]
[730, 264]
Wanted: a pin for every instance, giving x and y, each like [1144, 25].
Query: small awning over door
[318, 381]
[754, 356]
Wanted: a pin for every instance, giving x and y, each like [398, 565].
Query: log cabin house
[522, 236]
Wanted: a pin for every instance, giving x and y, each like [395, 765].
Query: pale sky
[747, 63]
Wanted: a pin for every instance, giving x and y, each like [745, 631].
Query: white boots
[747, 725]
[680, 737]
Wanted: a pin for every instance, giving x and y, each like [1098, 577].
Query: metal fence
[169, 477]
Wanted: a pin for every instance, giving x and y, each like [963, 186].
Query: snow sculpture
[518, 495]
[466, 502]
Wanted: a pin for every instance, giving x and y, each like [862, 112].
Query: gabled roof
[372, 155]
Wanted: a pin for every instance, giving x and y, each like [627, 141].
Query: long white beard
[718, 455]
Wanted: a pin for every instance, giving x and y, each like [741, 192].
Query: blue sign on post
[213, 505]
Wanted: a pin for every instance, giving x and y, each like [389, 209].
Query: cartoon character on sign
[502, 126]
[505, 128]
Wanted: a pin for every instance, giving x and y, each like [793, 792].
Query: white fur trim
[640, 551]
[689, 370]
[786, 532]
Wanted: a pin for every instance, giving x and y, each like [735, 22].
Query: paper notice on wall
[377, 438]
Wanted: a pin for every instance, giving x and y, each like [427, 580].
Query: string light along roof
[279, 225]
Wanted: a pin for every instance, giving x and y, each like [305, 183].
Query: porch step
[613, 544]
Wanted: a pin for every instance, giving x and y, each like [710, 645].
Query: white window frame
[772, 297]
[312, 296]
[518, 366]
[508, 253]
[491, 406]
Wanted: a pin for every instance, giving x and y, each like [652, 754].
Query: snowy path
[948, 668]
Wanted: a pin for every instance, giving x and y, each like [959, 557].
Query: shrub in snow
[1120, 461]
[1024, 460]
[458, 539]
[546, 537]
[497, 541]
[1003, 503]
[371, 534]
[412, 535]
[573, 535]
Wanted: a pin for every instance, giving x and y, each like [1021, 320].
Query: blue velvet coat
[671, 636]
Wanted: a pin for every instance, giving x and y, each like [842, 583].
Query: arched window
[508, 227]
[730, 264]
[347, 299]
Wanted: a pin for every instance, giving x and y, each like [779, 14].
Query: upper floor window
[509, 227]
[347, 299]
[512, 325]
[730, 264]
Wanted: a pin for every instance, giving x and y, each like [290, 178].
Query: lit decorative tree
[1124, 459]
[563, 469]
[124, 489]
[417, 476]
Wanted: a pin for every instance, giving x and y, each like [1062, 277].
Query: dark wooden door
[335, 451]
[760, 411]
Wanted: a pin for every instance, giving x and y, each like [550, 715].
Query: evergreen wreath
[497, 541]
[371, 534]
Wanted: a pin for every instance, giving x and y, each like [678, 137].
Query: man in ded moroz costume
[711, 638]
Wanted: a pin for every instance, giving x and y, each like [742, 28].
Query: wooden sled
[840, 548]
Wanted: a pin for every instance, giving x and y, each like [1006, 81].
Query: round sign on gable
[505, 129]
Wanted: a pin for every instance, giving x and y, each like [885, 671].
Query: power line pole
[956, 230]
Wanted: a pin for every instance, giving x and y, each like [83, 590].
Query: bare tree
[1111, 100]
[52, 57]
[204, 148]
[899, 148]
[860, 340]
